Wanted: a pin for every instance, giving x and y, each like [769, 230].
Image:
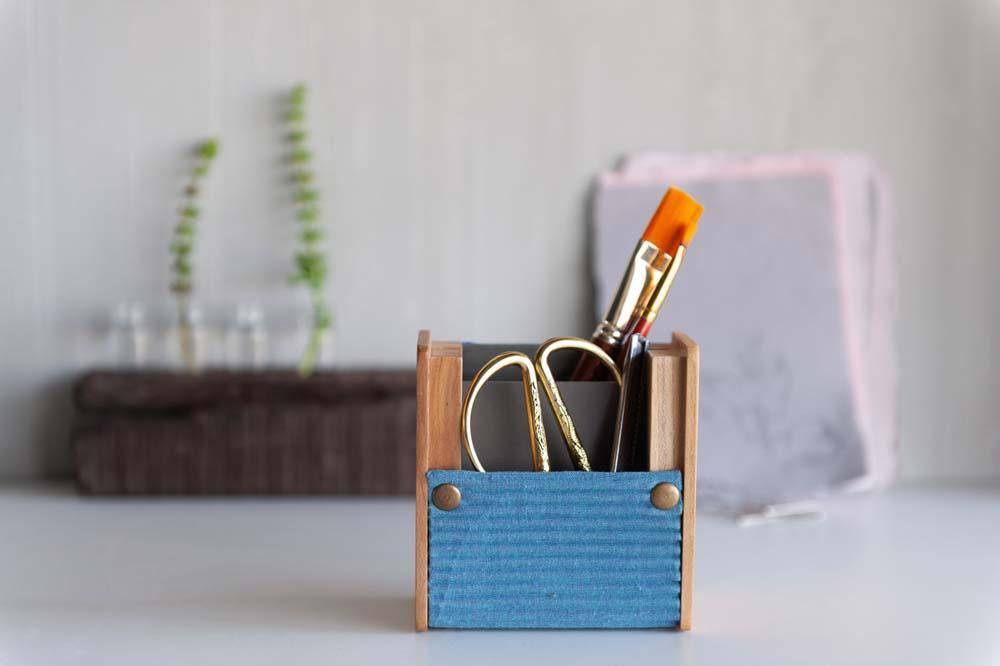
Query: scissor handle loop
[532, 406]
[566, 425]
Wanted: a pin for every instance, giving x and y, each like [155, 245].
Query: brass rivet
[665, 496]
[446, 497]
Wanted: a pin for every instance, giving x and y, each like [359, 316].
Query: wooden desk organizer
[557, 550]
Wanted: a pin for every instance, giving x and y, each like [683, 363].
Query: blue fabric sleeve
[556, 550]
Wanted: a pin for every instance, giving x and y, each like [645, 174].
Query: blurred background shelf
[223, 432]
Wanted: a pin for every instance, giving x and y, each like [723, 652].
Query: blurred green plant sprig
[182, 245]
[309, 263]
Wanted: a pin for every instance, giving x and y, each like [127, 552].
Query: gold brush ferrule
[639, 284]
[652, 307]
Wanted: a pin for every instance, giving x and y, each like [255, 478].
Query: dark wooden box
[268, 432]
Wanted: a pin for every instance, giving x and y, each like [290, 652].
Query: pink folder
[789, 288]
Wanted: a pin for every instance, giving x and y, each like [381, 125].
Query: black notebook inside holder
[499, 423]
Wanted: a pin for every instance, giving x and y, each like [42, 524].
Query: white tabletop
[909, 577]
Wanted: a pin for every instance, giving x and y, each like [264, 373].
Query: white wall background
[455, 144]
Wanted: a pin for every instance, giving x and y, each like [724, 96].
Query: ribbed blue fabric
[557, 550]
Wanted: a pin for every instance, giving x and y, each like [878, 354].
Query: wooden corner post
[439, 407]
[673, 439]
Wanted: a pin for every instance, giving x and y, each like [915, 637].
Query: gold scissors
[530, 373]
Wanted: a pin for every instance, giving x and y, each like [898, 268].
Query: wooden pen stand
[518, 549]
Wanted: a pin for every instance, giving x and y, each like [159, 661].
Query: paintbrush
[628, 447]
[645, 313]
[650, 261]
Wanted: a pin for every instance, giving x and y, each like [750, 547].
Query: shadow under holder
[507, 555]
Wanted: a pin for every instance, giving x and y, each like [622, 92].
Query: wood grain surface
[673, 439]
[439, 405]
